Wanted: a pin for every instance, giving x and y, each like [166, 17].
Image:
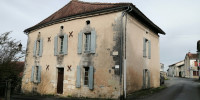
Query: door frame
[57, 79]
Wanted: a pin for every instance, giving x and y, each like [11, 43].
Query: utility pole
[198, 53]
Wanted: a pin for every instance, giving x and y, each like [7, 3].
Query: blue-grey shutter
[149, 78]
[55, 45]
[34, 48]
[65, 44]
[93, 42]
[144, 47]
[80, 40]
[41, 47]
[149, 49]
[78, 77]
[32, 74]
[144, 80]
[39, 74]
[91, 78]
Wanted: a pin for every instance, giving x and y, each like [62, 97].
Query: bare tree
[10, 55]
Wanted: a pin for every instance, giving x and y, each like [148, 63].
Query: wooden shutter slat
[91, 78]
[93, 42]
[65, 44]
[149, 49]
[34, 48]
[80, 40]
[144, 47]
[78, 77]
[32, 74]
[56, 45]
[39, 74]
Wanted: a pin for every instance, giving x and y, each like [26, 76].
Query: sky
[179, 19]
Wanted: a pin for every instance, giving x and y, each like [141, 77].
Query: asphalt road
[178, 89]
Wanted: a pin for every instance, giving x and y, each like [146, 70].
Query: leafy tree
[10, 55]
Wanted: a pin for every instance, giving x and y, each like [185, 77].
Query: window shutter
[144, 80]
[91, 78]
[39, 74]
[65, 44]
[34, 49]
[149, 49]
[80, 40]
[32, 74]
[93, 41]
[78, 77]
[41, 47]
[55, 45]
[144, 47]
[149, 75]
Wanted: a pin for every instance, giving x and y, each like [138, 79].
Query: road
[178, 89]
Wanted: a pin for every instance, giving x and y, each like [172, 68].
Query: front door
[60, 80]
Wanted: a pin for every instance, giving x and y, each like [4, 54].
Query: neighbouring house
[190, 65]
[177, 69]
[161, 67]
[96, 50]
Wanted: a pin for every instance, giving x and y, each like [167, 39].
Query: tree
[10, 55]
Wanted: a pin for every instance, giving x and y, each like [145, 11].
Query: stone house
[176, 69]
[190, 64]
[97, 50]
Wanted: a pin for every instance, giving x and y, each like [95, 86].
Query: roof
[77, 8]
[192, 55]
[177, 63]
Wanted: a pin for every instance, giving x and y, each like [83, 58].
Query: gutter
[123, 49]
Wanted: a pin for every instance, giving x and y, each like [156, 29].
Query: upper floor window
[87, 42]
[146, 48]
[60, 44]
[37, 51]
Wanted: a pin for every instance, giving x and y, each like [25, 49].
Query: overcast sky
[180, 19]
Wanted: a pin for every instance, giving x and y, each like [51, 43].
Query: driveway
[178, 89]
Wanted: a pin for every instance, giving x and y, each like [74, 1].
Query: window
[38, 47]
[87, 42]
[61, 44]
[86, 75]
[146, 48]
[37, 51]
[36, 74]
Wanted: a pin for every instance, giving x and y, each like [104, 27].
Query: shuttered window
[146, 48]
[60, 44]
[38, 46]
[36, 74]
[89, 42]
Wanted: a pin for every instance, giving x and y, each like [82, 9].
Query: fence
[5, 89]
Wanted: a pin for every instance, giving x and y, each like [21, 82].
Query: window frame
[61, 44]
[87, 43]
[86, 69]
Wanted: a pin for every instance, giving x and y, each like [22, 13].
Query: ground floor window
[86, 75]
[195, 73]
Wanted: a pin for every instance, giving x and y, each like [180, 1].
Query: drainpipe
[123, 48]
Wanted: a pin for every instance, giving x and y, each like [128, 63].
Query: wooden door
[60, 80]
